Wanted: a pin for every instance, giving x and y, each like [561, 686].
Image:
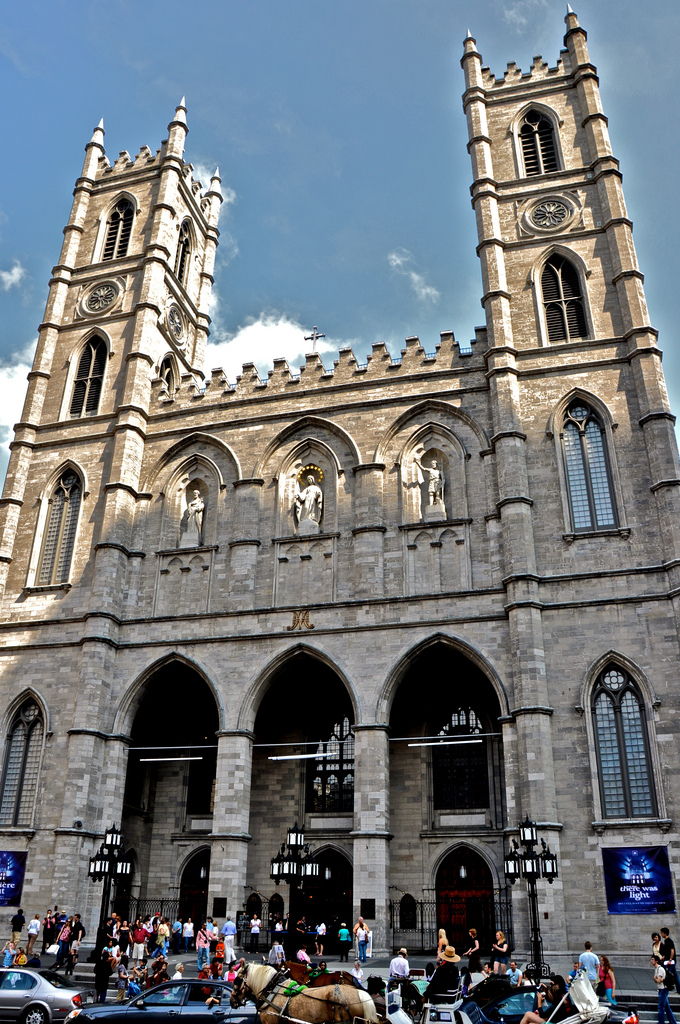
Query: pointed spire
[215, 186]
[571, 18]
[98, 134]
[180, 112]
[469, 33]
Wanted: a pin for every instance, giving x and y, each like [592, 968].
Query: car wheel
[35, 1015]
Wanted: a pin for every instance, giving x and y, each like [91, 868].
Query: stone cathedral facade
[449, 579]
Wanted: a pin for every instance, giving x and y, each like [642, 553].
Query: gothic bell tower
[128, 303]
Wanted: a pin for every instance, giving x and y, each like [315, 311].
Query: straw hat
[449, 954]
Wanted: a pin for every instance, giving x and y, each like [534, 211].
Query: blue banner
[638, 880]
[12, 871]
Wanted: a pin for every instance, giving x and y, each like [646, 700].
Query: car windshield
[56, 979]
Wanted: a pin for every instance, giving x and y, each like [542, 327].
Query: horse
[301, 973]
[275, 997]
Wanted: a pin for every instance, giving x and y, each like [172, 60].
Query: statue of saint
[308, 506]
[191, 526]
[434, 476]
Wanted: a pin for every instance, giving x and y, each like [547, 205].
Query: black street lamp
[294, 864]
[531, 865]
[108, 865]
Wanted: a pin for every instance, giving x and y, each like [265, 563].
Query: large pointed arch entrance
[447, 765]
[303, 773]
[169, 789]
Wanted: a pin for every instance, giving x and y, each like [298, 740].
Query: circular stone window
[175, 322]
[551, 213]
[101, 298]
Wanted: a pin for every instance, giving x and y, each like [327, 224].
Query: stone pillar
[371, 829]
[369, 530]
[231, 819]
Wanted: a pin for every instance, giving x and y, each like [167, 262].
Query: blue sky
[338, 129]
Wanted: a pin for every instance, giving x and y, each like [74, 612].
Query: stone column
[370, 530]
[231, 819]
[371, 828]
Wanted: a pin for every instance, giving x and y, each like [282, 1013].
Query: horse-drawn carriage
[280, 999]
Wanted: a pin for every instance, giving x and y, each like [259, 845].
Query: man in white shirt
[514, 975]
[399, 967]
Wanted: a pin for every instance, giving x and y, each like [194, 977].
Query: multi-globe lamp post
[293, 864]
[109, 865]
[532, 864]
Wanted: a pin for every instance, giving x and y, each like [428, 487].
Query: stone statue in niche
[308, 504]
[432, 486]
[191, 525]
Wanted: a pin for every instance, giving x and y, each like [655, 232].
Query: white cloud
[12, 277]
[12, 393]
[203, 173]
[520, 12]
[260, 341]
[400, 260]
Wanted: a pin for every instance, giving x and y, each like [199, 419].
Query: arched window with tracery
[61, 526]
[587, 469]
[118, 230]
[622, 746]
[537, 140]
[167, 375]
[22, 762]
[87, 386]
[460, 773]
[183, 253]
[565, 315]
[330, 775]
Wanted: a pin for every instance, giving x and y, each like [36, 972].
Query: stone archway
[193, 888]
[465, 898]
[169, 786]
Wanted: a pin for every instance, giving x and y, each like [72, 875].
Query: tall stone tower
[400, 604]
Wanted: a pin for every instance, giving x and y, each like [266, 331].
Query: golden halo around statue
[311, 469]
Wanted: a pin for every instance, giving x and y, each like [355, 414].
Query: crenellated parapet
[379, 365]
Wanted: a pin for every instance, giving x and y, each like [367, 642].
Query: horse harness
[289, 988]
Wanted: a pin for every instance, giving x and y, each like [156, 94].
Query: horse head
[239, 991]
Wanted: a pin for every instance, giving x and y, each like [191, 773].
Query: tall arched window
[183, 253]
[118, 230]
[330, 776]
[624, 768]
[60, 530]
[22, 761]
[562, 300]
[586, 465]
[537, 139]
[87, 387]
[460, 773]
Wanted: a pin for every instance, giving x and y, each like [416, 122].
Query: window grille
[183, 253]
[537, 138]
[591, 500]
[118, 230]
[60, 531]
[621, 743]
[330, 777]
[460, 774]
[87, 387]
[22, 761]
[562, 300]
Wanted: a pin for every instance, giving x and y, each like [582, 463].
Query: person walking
[668, 953]
[589, 962]
[17, 923]
[607, 979]
[229, 935]
[500, 954]
[661, 981]
[320, 937]
[202, 947]
[32, 932]
[102, 973]
[187, 934]
[122, 978]
[361, 933]
[473, 954]
[345, 941]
